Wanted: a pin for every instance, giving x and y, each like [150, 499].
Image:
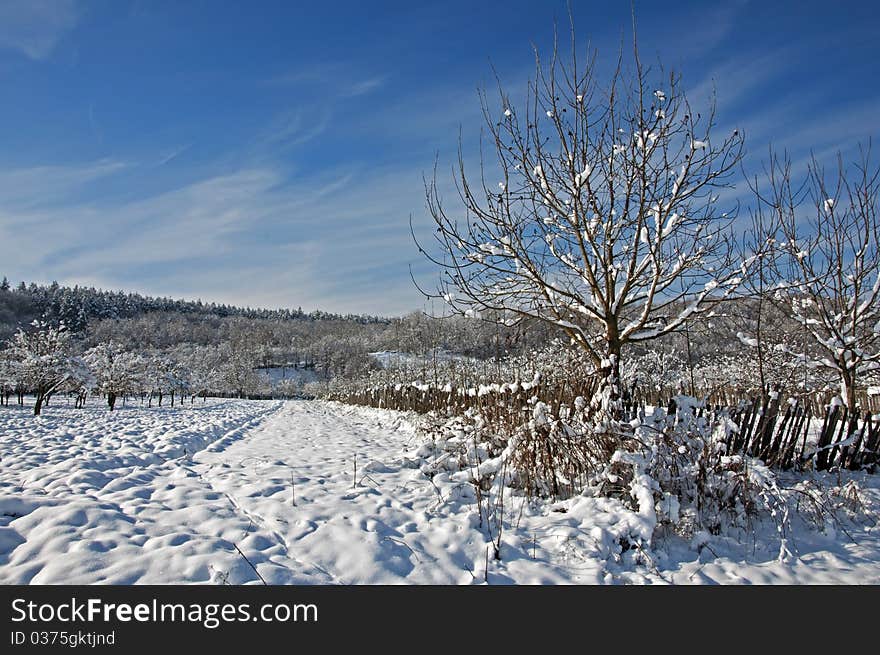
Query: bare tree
[599, 213]
[826, 262]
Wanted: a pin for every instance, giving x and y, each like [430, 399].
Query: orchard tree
[116, 371]
[826, 236]
[42, 359]
[204, 365]
[180, 374]
[81, 381]
[9, 378]
[159, 375]
[599, 212]
[167, 373]
[239, 362]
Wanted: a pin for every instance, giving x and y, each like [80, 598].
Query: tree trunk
[38, 403]
[848, 388]
[111, 400]
[609, 398]
[690, 362]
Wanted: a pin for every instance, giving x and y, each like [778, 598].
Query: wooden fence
[781, 436]
[784, 435]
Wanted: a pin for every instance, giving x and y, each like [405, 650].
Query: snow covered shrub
[545, 451]
[460, 443]
[554, 456]
[679, 477]
[849, 497]
[827, 506]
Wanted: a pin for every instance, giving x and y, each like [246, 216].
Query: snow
[277, 375]
[397, 359]
[746, 340]
[161, 495]
[582, 177]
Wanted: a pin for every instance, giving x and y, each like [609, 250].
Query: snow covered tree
[599, 213]
[654, 370]
[239, 361]
[116, 371]
[8, 377]
[827, 262]
[42, 359]
[204, 366]
[165, 375]
[179, 374]
[81, 381]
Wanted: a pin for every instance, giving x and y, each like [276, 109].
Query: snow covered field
[396, 359]
[278, 375]
[235, 491]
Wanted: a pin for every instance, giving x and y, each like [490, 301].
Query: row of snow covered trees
[46, 360]
[77, 306]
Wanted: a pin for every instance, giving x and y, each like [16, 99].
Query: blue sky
[270, 153]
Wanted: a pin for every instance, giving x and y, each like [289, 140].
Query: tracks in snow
[372, 529]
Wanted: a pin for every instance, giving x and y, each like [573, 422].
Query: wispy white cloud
[173, 154]
[292, 129]
[678, 33]
[34, 27]
[335, 79]
[740, 76]
[47, 185]
[706, 28]
[363, 87]
[819, 126]
[337, 241]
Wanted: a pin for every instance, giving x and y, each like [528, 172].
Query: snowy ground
[167, 495]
